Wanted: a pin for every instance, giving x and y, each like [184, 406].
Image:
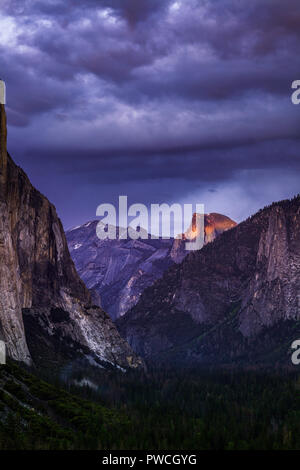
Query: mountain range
[120, 270]
[235, 300]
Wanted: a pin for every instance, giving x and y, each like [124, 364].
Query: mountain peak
[214, 224]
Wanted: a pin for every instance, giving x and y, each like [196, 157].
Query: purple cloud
[127, 93]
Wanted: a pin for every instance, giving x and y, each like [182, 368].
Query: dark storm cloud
[138, 90]
[110, 51]
[211, 165]
[132, 10]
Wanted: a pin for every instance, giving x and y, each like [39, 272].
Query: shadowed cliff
[237, 299]
[46, 312]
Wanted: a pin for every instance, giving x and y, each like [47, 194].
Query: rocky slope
[45, 308]
[236, 299]
[120, 270]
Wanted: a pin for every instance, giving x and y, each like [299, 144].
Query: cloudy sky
[183, 101]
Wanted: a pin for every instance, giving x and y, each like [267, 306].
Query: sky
[165, 101]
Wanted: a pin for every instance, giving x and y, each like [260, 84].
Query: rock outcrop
[120, 270]
[214, 225]
[238, 297]
[44, 305]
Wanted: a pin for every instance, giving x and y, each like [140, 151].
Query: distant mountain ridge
[120, 270]
[237, 299]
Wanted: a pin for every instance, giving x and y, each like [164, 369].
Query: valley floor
[157, 410]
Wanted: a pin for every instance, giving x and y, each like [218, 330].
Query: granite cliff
[46, 311]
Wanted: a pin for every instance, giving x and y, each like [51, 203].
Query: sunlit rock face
[120, 270]
[45, 308]
[237, 299]
[214, 225]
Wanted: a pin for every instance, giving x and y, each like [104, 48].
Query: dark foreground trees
[159, 410]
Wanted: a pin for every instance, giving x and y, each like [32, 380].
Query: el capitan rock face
[236, 299]
[120, 270]
[44, 305]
